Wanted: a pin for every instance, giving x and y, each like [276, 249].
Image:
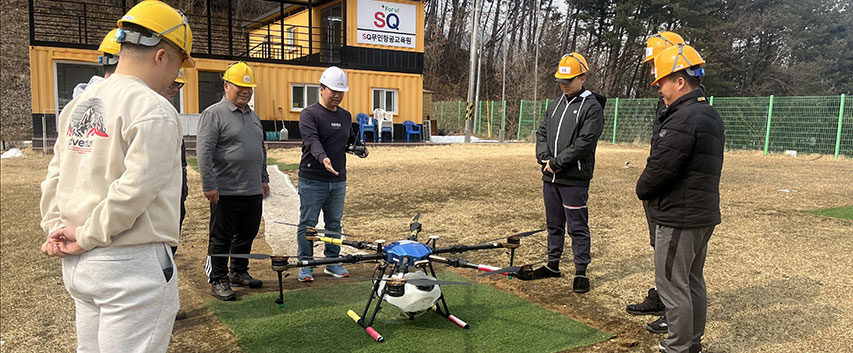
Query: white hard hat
[335, 79]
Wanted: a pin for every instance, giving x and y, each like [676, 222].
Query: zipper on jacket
[559, 125]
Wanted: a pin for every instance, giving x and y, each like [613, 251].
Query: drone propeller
[319, 230]
[515, 269]
[519, 235]
[244, 256]
[256, 256]
[429, 282]
[417, 217]
[412, 281]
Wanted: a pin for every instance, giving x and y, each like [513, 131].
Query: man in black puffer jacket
[680, 187]
[565, 147]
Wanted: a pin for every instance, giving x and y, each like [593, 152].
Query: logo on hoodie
[87, 124]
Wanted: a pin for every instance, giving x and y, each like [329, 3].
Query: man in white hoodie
[110, 201]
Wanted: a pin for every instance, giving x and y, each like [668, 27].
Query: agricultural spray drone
[404, 275]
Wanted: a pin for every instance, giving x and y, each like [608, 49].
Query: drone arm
[356, 244]
[463, 248]
[453, 262]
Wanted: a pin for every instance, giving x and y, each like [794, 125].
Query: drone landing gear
[442, 309]
[370, 331]
[378, 273]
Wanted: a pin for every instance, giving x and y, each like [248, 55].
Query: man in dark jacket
[680, 186]
[327, 132]
[652, 305]
[565, 147]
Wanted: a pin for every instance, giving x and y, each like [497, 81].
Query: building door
[331, 34]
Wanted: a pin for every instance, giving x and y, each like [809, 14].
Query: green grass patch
[281, 165]
[838, 212]
[315, 320]
[193, 162]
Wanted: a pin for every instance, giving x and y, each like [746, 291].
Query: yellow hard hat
[180, 78]
[240, 74]
[660, 41]
[109, 45]
[571, 65]
[677, 58]
[163, 21]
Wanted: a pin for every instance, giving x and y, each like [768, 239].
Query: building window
[176, 101]
[385, 99]
[210, 89]
[303, 95]
[69, 75]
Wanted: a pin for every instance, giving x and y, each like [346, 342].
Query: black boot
[221, 289]
[652, 305]
[658, 326]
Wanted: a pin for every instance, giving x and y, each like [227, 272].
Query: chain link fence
[821, 125]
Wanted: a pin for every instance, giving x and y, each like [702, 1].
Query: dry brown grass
[779, 280]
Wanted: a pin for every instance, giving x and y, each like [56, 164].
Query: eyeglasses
[176, 85]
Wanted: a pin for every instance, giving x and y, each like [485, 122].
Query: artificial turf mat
[840, 212]
[315, 320]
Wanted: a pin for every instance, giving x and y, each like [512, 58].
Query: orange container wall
[273, 90]
[352, 26]
[274, 82]
[42, 76]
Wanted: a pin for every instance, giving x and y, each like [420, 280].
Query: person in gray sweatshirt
[232, 163]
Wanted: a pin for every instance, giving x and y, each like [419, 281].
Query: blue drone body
[415, 251]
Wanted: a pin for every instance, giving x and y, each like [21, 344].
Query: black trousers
[234, 223]
[185, 191]
[566, 207]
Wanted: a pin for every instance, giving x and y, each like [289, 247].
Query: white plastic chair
[385, 120]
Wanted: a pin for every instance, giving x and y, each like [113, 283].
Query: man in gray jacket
[232, 163]
[565, 147]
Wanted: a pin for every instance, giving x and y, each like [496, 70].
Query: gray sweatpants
[124, 300]
[679, 261]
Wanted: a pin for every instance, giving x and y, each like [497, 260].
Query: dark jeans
[316, 196]
[234, 223]
[567, 205]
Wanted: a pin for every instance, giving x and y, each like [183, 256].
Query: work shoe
[652, 305]
[336, 270]
[245, 280]
[580, 284]
[696, 348]
[658, 326]
[545, 272]
[221, 289]
[305, 275]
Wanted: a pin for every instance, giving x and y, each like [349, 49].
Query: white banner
[387, 23]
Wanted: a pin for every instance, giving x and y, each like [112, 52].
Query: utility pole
[472, 68]
[477, 91]
[503, 100]
[536, 65]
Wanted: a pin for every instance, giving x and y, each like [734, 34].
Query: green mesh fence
[745, 120]
[488, 121]
[822, 125]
